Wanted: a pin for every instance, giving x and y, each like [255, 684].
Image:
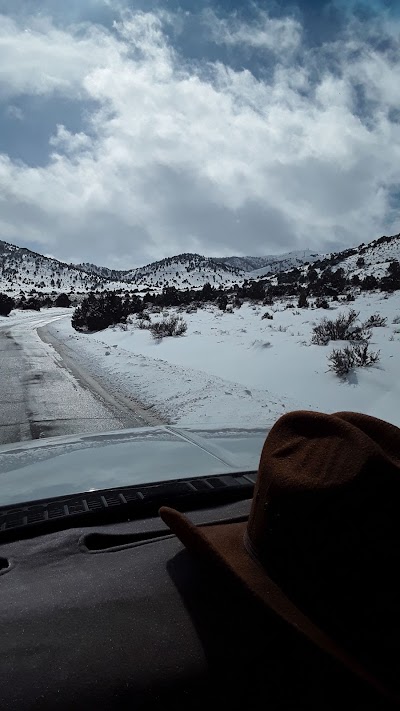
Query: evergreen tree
[6, 304]
[63, 301]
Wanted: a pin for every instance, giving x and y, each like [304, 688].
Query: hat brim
[223, 544]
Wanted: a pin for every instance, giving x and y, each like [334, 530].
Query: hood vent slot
[110, 505]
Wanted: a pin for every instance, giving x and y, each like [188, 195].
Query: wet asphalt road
[40, 396]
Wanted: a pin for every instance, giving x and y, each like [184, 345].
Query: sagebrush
[375, 321]
[172, 326]
[343, 328]
[342, 361]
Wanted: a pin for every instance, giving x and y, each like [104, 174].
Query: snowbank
[241, 369]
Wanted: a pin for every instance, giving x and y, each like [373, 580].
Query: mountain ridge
[251, 264]
[22, 270]
[190, 260]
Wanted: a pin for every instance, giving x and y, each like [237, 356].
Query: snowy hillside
[260, 266]
[186, 270]
[373, 258]
[282, 262]
[24, 270]
[21, 269]
[193, 270]
[367, 263]
[181, 271]
[215, 270]
[103, 272]
[246, 264]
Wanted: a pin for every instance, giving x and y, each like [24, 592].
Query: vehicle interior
[102, 607]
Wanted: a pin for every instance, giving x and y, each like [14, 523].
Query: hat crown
[324, 522]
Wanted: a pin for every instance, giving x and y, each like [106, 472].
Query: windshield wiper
[121, 504]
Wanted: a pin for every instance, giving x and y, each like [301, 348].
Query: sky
[132, 130]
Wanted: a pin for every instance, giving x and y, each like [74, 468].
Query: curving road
[40, 396]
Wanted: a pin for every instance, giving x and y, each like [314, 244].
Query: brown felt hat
[321, 548]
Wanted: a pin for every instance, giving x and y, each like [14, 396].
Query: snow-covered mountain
[22, 270]
[372, 258]
[271, 263]
[181, 271]
[103, 272]
[185, 270]
[357, 263]
[196, 270]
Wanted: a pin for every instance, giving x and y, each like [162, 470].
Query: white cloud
[14, 112]
[264, 32]
[70, 142]
[182, 157]
[38, 58]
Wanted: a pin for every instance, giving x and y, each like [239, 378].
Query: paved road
[40, 396]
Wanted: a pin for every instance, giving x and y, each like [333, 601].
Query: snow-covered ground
[237, 369]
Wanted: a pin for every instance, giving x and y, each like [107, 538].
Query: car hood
[70, 465]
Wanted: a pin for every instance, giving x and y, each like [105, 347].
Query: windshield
[199, 227]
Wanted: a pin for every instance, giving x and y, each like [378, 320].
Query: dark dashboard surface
[121, 616]
[93, 617]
